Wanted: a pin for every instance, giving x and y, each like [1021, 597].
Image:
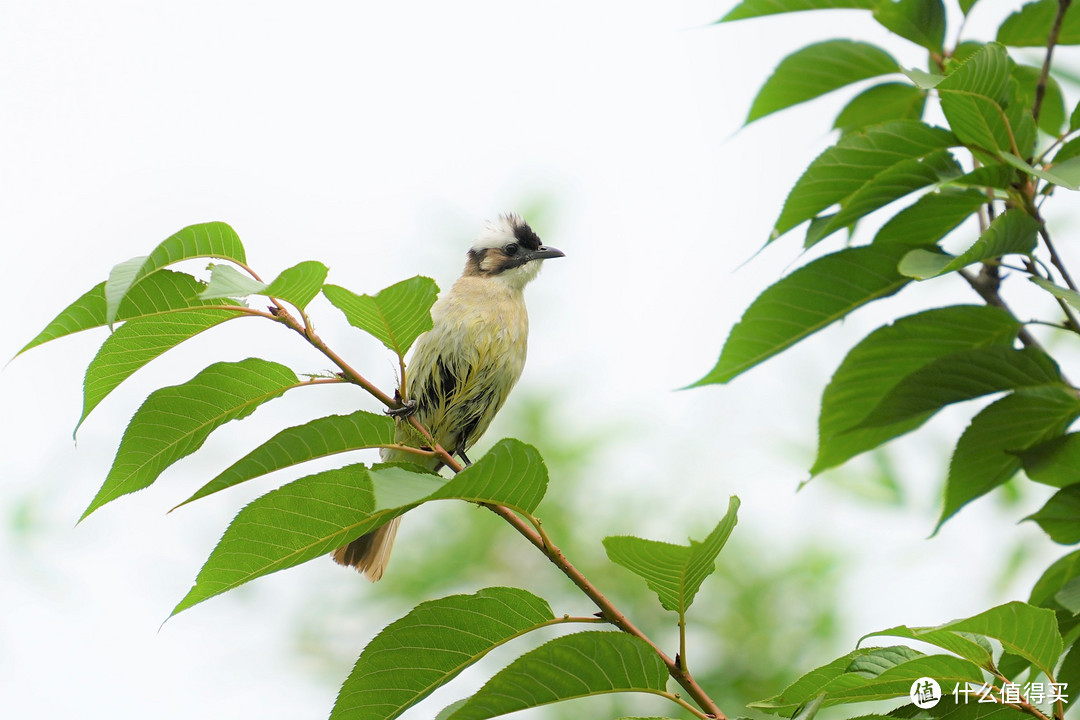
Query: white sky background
[377, 138]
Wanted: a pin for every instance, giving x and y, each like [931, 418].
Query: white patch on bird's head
[503, 231]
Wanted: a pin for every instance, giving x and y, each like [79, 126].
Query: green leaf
[430, 646]
[1069, 672]
[137, 342]
[884, 358]
[1074, 120]
[396, 316]
[214, 239]
[985, 455]
[1022, 629]
[1070, 296]
[922, 79]
[1060, 573]
[316, 439]
[511, 472]
[227, 281]
[897, 181]
[1068, 151]
[1052, 114]
[920, 21]
[121, 277]
[805, 301]
[305, 519]
[923, 263]
[673, 572]
[1060, 516]
[1069, 181]
[1069, 596]
[1019, 113]
[847, 682]
[882, 659]
[996, 175]
[759, 8]
[162, 292]
[879, 104]
[973, 98]
[964, 376]
[1067, 172]
[972, 710]
[175, 421]
[818, 69]
[966, 5]
[931, 217]
[969, 647]
[809, 686]
[312, 516]
[299, 284]
[1012, 232]
[1030, 26]
[568, 667]
[858, 160]
[1055, 462]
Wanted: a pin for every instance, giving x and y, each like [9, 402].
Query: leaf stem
[689, 708]
[245, 310]
[406, 449]
[1051, 42]
[681, 659]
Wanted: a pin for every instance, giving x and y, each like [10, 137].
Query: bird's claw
[404, 410]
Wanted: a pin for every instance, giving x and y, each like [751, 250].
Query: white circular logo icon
[925, 692]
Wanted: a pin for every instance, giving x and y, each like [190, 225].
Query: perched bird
[463, 368]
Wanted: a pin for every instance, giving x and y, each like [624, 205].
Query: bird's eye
[511, 249]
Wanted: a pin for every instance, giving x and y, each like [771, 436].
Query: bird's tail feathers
[370, 553]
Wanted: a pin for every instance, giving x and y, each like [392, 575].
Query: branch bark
[1051, 43]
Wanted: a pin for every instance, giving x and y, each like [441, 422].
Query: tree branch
[1051, 42]
[536, 536]
[608, 610]
[986, 283]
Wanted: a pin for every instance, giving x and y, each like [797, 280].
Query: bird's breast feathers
[464, 367]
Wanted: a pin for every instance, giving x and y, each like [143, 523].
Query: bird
[462, 369]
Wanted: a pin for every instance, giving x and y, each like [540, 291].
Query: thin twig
[243, 309]
[679, 701]
[1051, 42]
[347, 370]
[681, 659]
[399, 447]
[1054, 257]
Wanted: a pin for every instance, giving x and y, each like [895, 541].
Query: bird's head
[508, 251]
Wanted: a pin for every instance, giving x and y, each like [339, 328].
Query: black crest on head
[525, 236]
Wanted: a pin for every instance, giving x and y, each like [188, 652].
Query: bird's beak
[544, 252]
